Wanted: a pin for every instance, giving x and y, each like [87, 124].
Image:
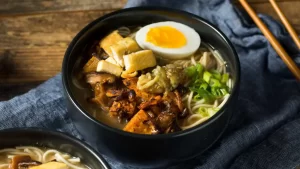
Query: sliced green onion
[202, 94]
[194, 71]
[216, 74]
[190, 71]
[206, 76]
[216, 91]
[214, 83]
[223, 91]
[204, 86]
[199, 68]
[225, 77]
[207, 85]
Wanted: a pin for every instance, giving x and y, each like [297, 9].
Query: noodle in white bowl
[40, 156]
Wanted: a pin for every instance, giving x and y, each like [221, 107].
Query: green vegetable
[204, 86]
[225, 78]
[224, 91]
[194, 71]
[216, 74]
[201, 93]
[206, 76]
[207, 85]
[216, 92]
[214, 83]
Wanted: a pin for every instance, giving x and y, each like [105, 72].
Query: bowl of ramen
[151, 86]
[32, 148]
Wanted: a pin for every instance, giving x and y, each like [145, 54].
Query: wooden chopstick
[286, 23]
[276, 45]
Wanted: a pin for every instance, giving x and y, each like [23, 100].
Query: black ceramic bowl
[146, 150]
[10, 138]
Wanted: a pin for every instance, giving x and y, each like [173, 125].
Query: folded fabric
[264, 131]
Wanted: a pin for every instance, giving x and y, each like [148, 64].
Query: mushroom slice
[93, 78]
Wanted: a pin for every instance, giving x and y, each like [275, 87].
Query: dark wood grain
[23, 7]
[36, 53]
[45, 30]
[290, 8]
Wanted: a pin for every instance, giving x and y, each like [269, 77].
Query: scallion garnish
[207, 85]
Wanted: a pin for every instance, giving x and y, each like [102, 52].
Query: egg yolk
[166, 37]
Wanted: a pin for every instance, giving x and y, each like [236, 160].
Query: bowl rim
[63, 135]
[68, 91]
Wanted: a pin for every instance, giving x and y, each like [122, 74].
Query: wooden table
[34, 35]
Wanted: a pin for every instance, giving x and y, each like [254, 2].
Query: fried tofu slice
[141, 124]
[91, 65]
[124, 46]
[107, 67]
[52, 165]
[111, 60]
[139, 60]
[109, 40]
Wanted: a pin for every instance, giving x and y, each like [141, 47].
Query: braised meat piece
[124, 104]
[123, 108]
[178, 101]
[165, 120]
[131, 83]
[100, 97]
[151, 102]
[94, 77]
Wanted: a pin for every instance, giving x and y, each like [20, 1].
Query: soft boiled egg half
[171, 40]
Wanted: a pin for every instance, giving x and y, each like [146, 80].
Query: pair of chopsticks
[274, 42]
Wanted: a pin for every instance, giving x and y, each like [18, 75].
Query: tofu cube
[139, 60]
[109, 40]
[111, 60]
[91, 65]
[125, 46]
[104, 66]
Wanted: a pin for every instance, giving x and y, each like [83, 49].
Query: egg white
[192, 37]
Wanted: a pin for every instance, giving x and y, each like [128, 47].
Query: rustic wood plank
[13, 7]
[290, 8]
[32, 47]
[30, 64]
[50, 30]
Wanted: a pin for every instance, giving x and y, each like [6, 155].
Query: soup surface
[155, 79]
[29, 157]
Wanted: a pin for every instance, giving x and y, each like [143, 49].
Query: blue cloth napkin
[263, 133]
